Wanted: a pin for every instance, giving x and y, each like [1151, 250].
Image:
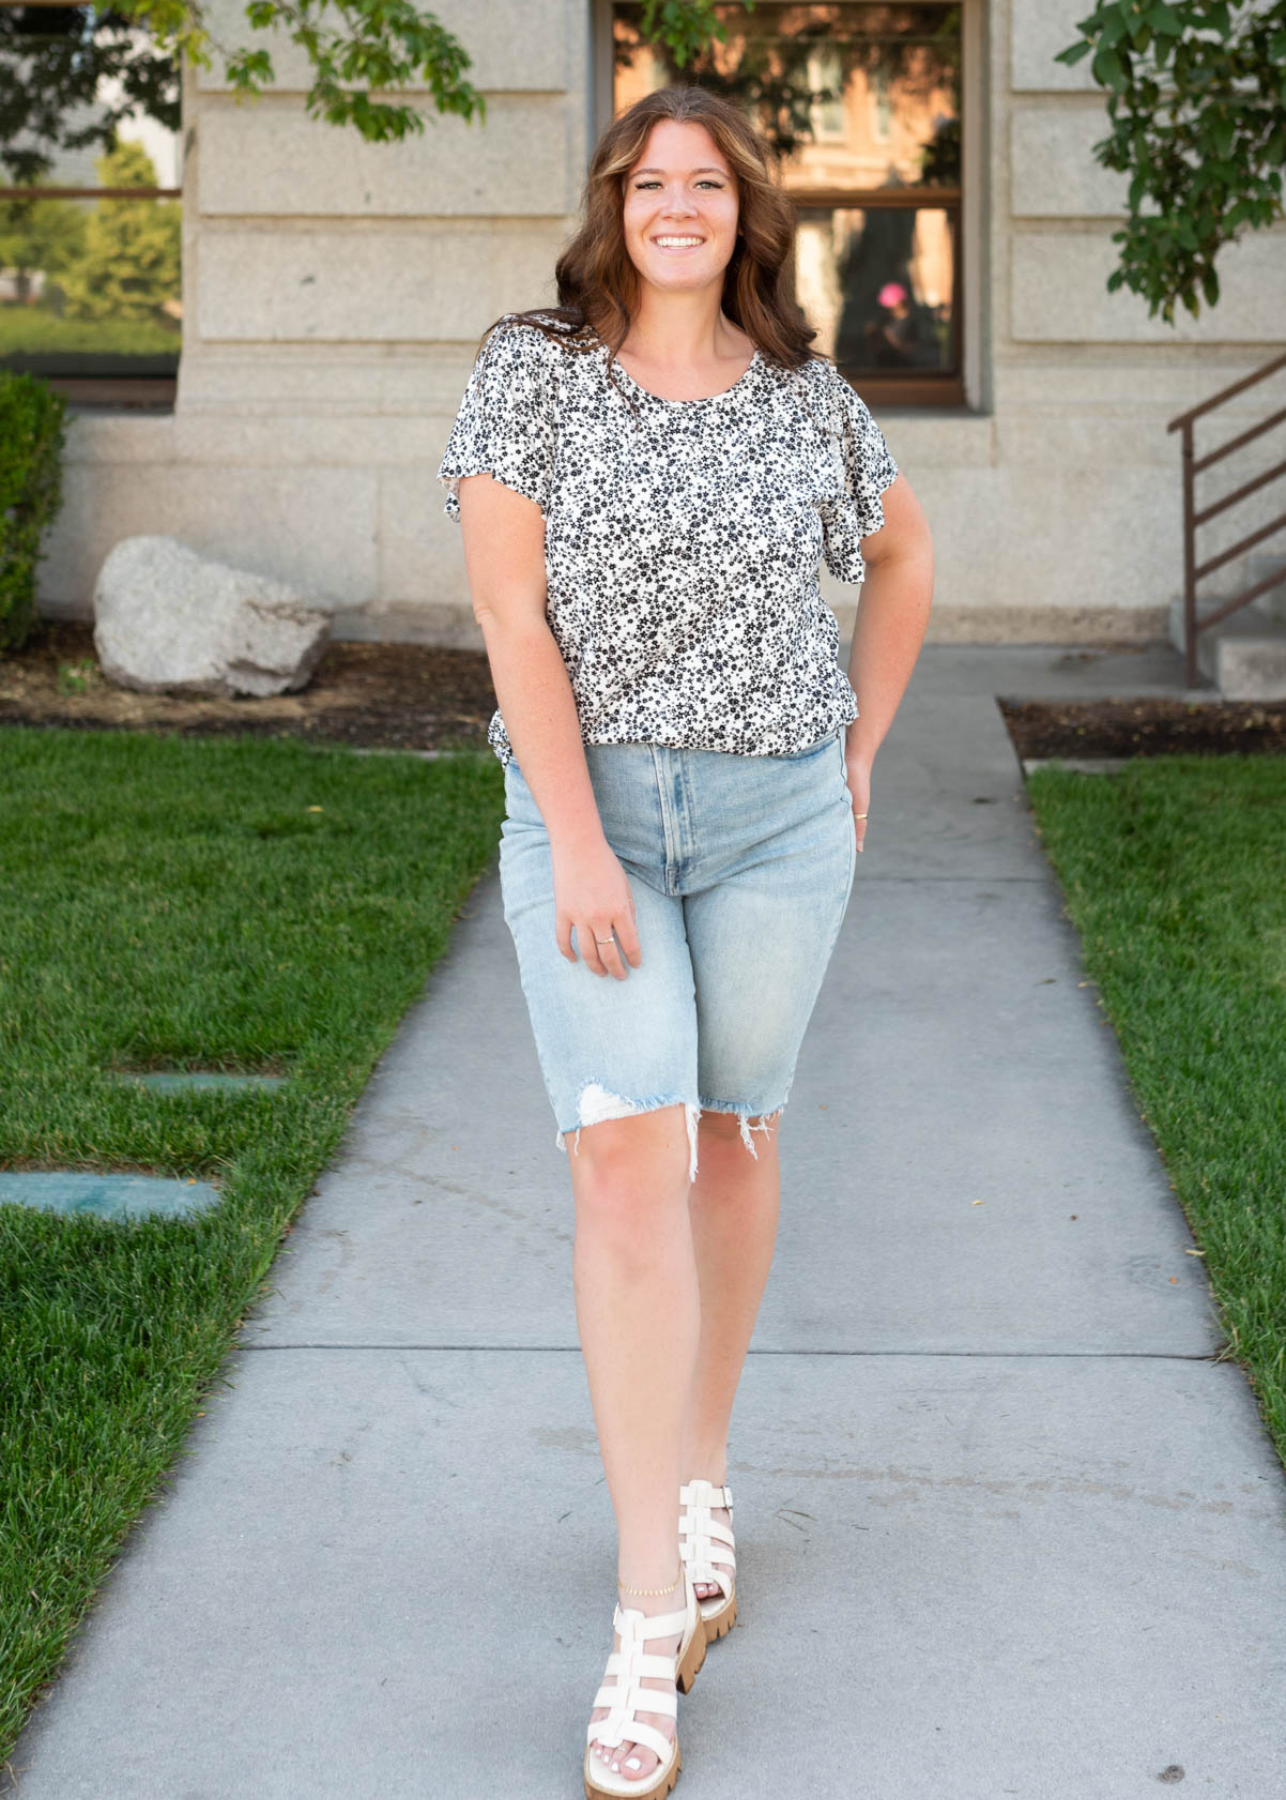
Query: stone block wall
[335, 292]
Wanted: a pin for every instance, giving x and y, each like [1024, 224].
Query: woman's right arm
[504, 553]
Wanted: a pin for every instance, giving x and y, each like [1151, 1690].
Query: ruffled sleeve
[864, 468]
[505, 425]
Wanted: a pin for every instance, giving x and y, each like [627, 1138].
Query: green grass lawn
[33, 330]
[1175, 877]
[250, 904]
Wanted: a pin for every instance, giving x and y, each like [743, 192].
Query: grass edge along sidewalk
[271, 906]
[1174, 875]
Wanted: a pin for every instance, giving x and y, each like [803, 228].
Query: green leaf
[1107, 70]
[1223, 132]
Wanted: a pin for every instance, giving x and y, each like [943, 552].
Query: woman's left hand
[858, 776]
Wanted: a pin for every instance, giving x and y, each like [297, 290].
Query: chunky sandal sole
[719, 1624]
[690, 1665]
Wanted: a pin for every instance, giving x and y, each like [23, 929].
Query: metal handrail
[1192, 466]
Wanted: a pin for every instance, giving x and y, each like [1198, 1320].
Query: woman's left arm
[892, 615]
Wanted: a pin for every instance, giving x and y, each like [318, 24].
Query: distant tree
[1197, 100]
[130, 265]
[46, 236]
[686, 28]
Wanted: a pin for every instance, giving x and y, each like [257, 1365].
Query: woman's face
[681, 205]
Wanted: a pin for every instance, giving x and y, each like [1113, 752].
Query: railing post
[1189, 557]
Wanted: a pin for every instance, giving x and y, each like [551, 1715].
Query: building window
[90, 205]
[861, 103]
[826, 78]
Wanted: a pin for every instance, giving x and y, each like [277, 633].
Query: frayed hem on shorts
[597, 1104]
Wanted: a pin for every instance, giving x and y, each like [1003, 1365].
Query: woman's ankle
[712, 1468]
[651, 1602]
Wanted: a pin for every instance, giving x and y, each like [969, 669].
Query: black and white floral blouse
[682, 537]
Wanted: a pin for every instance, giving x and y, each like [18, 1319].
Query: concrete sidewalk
[1004, 1527]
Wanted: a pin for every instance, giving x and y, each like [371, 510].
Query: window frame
[148, 392]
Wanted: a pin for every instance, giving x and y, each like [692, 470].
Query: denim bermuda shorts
[740, 869]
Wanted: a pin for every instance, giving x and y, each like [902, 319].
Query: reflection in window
[90, 215]
[882, 111]
[826, 76]
[859, 102]
[877, 285]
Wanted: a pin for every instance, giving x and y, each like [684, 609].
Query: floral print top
[682, 537]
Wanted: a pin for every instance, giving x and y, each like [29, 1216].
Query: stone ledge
[451, 626]
[1046, 625]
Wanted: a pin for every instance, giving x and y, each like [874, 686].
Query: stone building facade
[334, 292]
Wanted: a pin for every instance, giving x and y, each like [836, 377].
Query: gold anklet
[665, 1590]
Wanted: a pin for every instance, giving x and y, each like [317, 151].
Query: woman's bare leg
[734, 1204]
[638, 1312]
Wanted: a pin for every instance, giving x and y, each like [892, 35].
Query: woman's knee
[628, 1171]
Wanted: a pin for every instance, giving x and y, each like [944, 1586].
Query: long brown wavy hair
[598, 284]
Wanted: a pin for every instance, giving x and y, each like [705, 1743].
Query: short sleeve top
[682, 537]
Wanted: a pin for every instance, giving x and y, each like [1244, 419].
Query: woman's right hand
[592, 892]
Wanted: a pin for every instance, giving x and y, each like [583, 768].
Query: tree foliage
[686, 28]
[69, 76]
[361, 53]
[39, 235]
[130, 266]
[1197, 102]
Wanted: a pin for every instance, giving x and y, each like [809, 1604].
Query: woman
[647, 477]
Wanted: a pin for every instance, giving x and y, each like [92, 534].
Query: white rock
[167, 620]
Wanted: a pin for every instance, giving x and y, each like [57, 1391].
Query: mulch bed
[1151, 727]
[417, 697]
[380, 696]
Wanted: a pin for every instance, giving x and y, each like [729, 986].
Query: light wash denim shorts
[741, 869]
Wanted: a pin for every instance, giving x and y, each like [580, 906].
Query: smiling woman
[680, 221]
[648, 477]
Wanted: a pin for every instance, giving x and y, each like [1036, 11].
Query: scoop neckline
[701, 399]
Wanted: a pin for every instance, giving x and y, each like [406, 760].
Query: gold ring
[858, 815]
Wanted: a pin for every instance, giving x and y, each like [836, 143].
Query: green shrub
[32, 429]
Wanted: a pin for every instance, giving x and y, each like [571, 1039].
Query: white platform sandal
[621, 1691]
[701, 1540]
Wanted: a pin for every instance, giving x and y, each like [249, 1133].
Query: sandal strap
[706, 1544]
[637, 1731]
[642, 1664]
[697, 1523]
[653, 1625]
[705, 1493]
[709, 1571]
[624, 1696]
[609, 1694]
